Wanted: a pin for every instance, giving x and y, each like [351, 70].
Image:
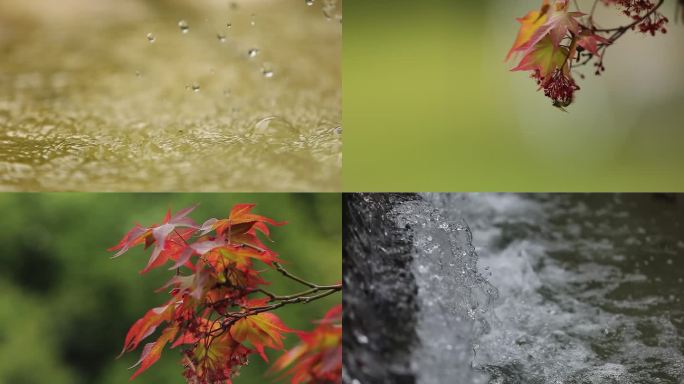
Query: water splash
[585, 290]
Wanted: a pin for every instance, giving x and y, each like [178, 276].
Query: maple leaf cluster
[554, 40]
[318, 357]
[212, 314]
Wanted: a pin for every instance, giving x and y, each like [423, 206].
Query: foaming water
[452, 295]
[589, 286]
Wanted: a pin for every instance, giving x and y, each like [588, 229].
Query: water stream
[516, 289]
[589, 286]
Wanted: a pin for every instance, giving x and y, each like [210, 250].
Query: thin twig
[289, 275]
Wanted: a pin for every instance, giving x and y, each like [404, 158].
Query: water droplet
[252, 52]
[309, 2]
[356, 381]
[193, 87]
[669, 261]
[252, 21]
[183, 25]
[267, 73]
[229, 25]
[221, 37]
[138, 74]
[362, 339]
[151, 38]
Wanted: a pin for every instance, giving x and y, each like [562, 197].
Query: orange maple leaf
[152, 351]
[261, 330]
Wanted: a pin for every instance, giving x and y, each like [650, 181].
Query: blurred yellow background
[430, 105]
[103, 95]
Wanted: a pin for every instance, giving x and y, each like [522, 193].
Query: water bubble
[184, 27]
[362, 339]
[252, 53]
[151, 38]
[221, 37]
[274, 129]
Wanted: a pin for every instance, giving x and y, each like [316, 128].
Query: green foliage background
[430, 105]
[65, 306]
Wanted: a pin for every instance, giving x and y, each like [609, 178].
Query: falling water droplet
[229, 25]
[267, 73]
[151, 38]
[193, 87]
[183, 25]
[252, 21]
[221, 37]
[309, 2]
[252, 53]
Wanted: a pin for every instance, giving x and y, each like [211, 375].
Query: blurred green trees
[65, 306]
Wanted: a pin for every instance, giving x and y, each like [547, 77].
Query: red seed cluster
[637, 9]
[560, 88]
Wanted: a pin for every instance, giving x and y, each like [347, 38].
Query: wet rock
[379, 292]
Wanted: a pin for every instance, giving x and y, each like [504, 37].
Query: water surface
[165, 95]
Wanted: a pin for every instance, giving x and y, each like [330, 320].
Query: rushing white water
[452, 295]
[589, 287]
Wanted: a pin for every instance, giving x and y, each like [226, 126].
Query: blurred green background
[430, 105]
[65, 306]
